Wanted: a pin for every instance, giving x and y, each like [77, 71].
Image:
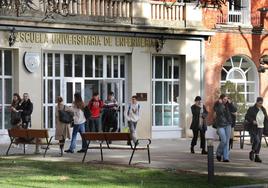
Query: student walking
[133, 116]
[198, 124]
[79, 123]
[223, 124]
[15, 116]
[257, 119]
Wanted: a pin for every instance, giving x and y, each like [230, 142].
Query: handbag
[65, 116]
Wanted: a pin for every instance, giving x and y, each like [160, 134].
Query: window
[242, 72]
[239, 12]
[165, 81]
[5, 87]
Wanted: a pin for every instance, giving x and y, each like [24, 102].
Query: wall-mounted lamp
[159, 44]
[12, 37]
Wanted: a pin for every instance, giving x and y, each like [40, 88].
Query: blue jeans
[132, 129]
[223, 147]
[81, 129]
[95, 125]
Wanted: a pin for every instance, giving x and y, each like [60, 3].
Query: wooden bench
[105, 138]
[29, 136]
[240, 127]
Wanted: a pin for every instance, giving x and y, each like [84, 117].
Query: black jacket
[232, 108]
[223, 115]
[251, 116]
[195, 120]
[27, 109]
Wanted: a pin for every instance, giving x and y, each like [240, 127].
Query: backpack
[65, 116]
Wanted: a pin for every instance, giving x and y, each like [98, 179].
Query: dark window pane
[122, 66]
[109, 66]
[78, 65]
[167, 116]
[50, 117]
[68, 65]
[115, 66]
[158, 115]
[44, 91]
[158, 92]
[8, 62]
[167, 67]
[8, 91]
[176, 92]
[88, 66]
[69, 90]
[50, 91]
[44, 64]
[158, 67]
[57, 64]
[49, 65]
[1, 89]
[57, 88]
[99, 66]
[176, 69]
[44, 117]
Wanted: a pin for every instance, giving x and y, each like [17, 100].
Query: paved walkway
[166, 154]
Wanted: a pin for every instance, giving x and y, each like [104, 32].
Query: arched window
[241, 71]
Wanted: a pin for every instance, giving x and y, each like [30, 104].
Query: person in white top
[133, 116]
[256, 117]
[79, 123]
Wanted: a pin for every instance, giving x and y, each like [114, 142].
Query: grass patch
[42, 174]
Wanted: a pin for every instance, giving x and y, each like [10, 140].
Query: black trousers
[202, 138]
[256, 137]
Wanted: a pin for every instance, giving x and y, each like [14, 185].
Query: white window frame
[169, 81]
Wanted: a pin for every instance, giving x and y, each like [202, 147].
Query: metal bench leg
[242, 140]
[265, 140]
[133, 151]
[85, 154]
[48, 144]
[11, 142]
[24, 148]
[101, 151]
[149, 157]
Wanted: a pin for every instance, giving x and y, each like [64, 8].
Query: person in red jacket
[95, 105]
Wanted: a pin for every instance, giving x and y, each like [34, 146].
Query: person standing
[26, 109]
[109, 116]
[198, 124]
[223, 124]
[15, 117]
[95, 106]
[233, 111]
[79, 123]
[133, 116]
[257, 118]
[62, 129]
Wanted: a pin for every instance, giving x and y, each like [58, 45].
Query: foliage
[30, 173]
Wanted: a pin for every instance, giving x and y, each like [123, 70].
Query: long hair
[15, 102]
[59, 99]
[78, 102]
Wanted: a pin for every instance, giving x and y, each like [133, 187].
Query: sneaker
[204, 152]
[251, 155]
[81, 151]
[68, 151]
[257, 159]
[226, 160]
[218, 158]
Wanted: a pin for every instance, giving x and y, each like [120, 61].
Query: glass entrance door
[115, 86]
[70, 87]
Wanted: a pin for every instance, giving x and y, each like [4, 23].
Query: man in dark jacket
[223, 124]
[233, 111]
[26, 109]
[256, 117]
[199, 124]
